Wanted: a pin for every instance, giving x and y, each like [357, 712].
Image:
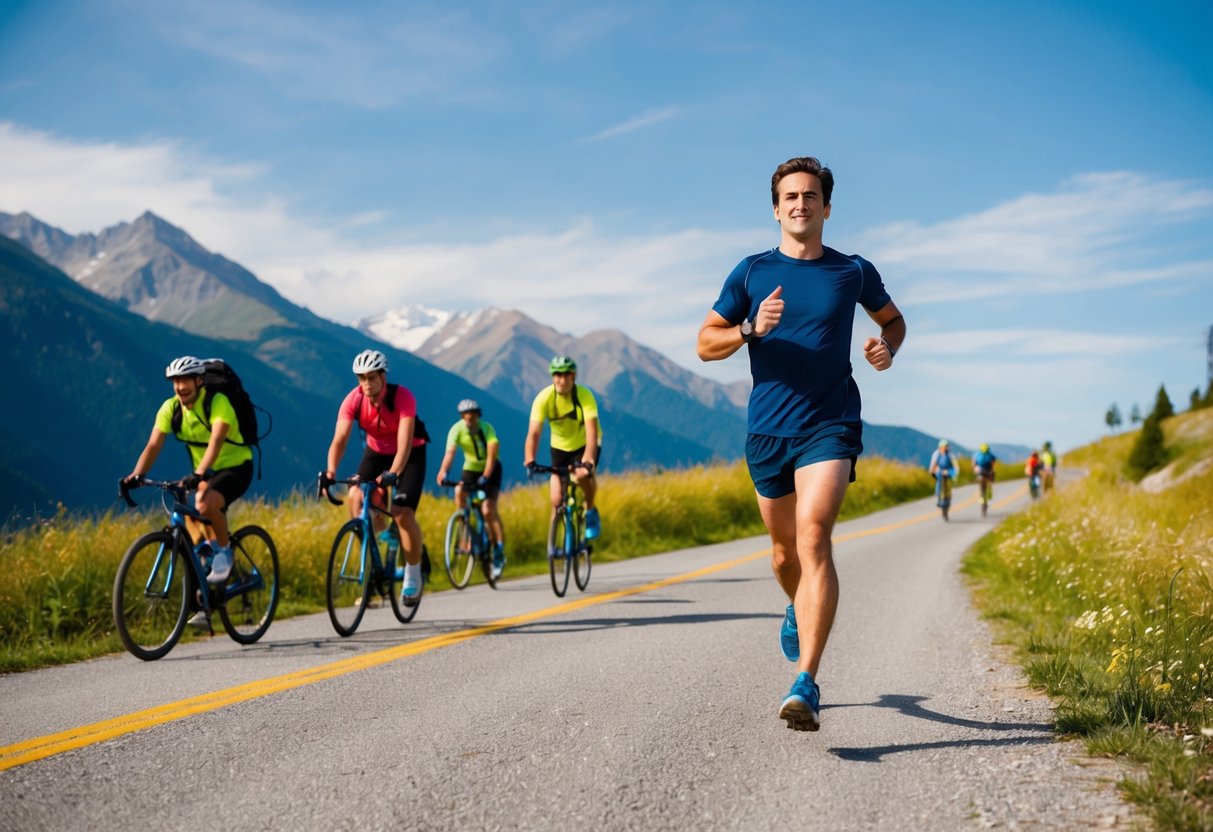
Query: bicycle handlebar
[536, 468]
[174, 487]
[323, 482]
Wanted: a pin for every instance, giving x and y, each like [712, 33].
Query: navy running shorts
[773, 460]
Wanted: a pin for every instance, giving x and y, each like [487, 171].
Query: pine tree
[1112, 418]
[1195, 402]
[1149, 451]
[1135, 415]
[1163, 409]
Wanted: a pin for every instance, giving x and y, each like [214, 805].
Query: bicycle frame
[370, 546]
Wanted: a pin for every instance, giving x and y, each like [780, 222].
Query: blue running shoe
[799, 709]
[593, 526]
[789, 639]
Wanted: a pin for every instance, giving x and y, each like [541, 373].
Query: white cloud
[638, 122]
[978, 344]
[1096, 231]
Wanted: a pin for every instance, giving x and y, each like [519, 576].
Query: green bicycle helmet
[562, 364]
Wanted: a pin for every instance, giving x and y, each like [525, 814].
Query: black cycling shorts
[410, 483]
[492, 487]
[563, 459]
[232, 482]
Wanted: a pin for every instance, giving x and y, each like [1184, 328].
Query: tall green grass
[58, 574]
[1107, 589]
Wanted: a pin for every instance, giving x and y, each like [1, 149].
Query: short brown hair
[804, 164]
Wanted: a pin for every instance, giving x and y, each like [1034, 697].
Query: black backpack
[219, 377]
[389, 401]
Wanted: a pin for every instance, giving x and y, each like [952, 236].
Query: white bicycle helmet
[186, 365]
[467, 406]
[369, 361]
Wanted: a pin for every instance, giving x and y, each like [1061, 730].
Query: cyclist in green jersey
[481, 469]
[572, 412]
[222, 469]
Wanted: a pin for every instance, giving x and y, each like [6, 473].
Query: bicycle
[567, 545]
[985, 489]
[467, 541]
[943, 492]
[355, 568]
[1034, 485]
[162, 570]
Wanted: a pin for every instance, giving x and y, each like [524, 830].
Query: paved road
[648, 703]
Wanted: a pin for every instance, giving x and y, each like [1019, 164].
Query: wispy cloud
[1094, 232]
[350, 58]
[646, 119]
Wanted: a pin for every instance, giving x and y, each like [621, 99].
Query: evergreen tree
[1135, 415]
[1112, 418]
[1163, 409]
[1195, 402]
[1149, 451]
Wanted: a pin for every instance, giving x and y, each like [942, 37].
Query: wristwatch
[747, 331]
[892, 352]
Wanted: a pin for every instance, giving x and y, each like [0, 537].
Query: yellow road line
[38, 748]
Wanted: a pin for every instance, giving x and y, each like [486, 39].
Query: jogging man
[794, 307]
[222, 464]
[481, 469]
[394, 455]
[572, 412]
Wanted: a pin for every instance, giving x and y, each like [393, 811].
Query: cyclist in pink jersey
[394, 455]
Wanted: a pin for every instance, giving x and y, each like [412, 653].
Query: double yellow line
[38, 748]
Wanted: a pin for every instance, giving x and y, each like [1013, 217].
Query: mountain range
[90, 320]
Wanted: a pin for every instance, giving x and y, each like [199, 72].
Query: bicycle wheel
[459, 559]
[484, 554]
[150, 596]
[348, 584]
[252, 590]
[558, 555]
[581, 559]
[404, 614]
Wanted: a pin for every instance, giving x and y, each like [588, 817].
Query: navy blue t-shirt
[802, 367]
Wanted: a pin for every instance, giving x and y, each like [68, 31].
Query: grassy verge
[1107, 591]
[58, 575]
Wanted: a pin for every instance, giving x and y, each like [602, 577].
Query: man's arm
[404, 444]
[152, 450]
[591, 439]
[533, 432]
[341, 437]
[218, 434]
[447, 459]
[718, 339]
[490, 457]
[879, 351]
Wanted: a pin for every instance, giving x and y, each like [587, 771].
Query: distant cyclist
[222, 464]
[983, 467]
[572, 411]
[1032, 469]
[943, 467]
[1049, 473]
[394, 455]
[481, 469]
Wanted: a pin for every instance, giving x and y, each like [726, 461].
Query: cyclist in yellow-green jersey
[572, 412]
[222, 463]
[481, 469]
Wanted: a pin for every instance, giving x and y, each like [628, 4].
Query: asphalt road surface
[648, 702]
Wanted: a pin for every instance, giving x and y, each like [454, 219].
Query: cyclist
[572, 411]
[394, 455]
[1049, 459]
[222, 469]
[943, 466]
[983, 467]
[1032, 469]
[481, 469]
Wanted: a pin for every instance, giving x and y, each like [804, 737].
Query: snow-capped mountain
[406, 328]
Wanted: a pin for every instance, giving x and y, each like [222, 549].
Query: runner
[794, 307]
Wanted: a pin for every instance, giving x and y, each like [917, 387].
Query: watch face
[747, 328]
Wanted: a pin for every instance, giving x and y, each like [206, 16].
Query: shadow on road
[1041, 732]
[556, 627]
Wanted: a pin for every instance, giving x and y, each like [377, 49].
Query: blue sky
[1035, 183]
